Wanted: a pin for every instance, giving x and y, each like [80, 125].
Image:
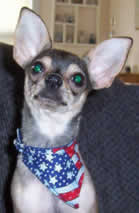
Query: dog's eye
[37, 68]
[78, 80]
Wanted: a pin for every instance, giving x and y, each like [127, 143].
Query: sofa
[108, 138]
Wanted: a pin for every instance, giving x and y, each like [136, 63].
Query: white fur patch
[53, 124]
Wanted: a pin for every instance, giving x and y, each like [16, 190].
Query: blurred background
[79, 25]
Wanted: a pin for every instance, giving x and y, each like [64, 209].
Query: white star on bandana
[58, 168]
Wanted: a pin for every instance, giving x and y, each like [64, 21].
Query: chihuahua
[50, 175]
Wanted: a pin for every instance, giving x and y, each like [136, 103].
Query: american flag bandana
[59, 169]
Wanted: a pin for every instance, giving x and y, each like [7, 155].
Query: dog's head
[57, 80]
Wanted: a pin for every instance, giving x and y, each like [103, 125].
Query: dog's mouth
[48, 101]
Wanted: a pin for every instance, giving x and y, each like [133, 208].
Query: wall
[124, 13]
[46, 12]
[104, 19]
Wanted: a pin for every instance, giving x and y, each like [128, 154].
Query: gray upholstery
[11, 88]
[109, 139]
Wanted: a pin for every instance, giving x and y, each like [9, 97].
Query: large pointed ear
[31, 37]
[107, 60]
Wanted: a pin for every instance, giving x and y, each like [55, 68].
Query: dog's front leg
[29, 195]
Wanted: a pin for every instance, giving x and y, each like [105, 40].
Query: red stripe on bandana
[70, 150]
[56, 149]
[78, 164]
[69, 196]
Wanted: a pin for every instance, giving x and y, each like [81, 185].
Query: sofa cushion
[108, 138]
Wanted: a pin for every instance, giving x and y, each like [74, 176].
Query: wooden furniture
[129, 78]
[76, 24]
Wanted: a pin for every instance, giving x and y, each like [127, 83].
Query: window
[9, 13]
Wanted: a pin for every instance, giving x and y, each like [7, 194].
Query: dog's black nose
[53, 81]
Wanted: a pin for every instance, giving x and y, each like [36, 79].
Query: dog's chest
[33, 196]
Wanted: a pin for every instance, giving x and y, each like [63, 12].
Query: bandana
[59, 169]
